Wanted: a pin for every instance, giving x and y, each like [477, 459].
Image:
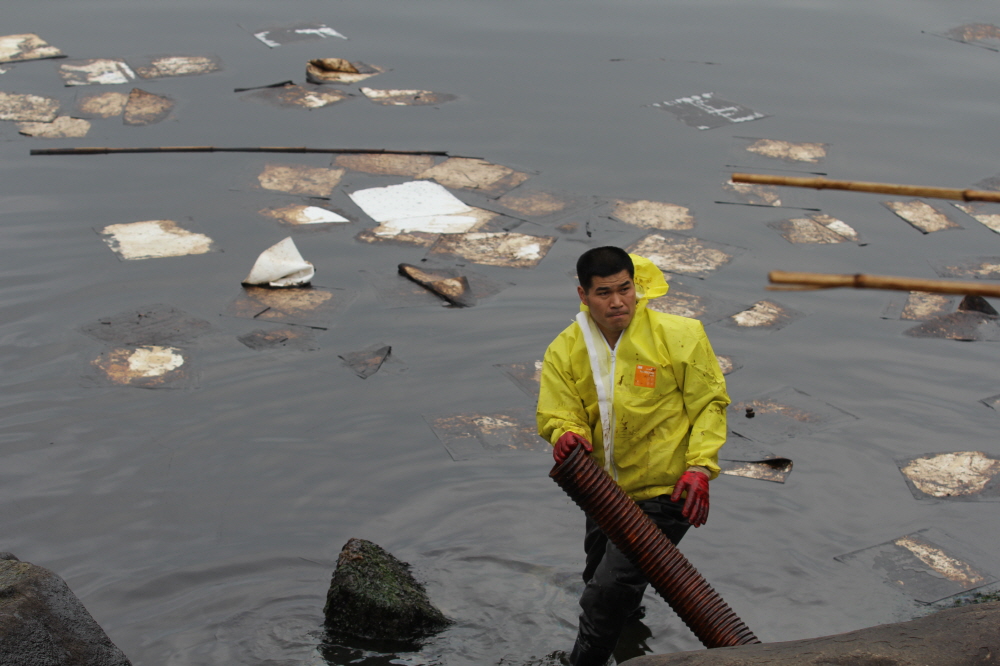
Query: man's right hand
[565, 445]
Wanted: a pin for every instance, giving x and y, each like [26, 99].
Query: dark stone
[42, 623]
[954, 637]
[373, 596]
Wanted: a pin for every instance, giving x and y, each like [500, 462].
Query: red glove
[566, 444]
[696, 504]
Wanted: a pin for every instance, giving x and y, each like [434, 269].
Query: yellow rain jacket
[658, 405]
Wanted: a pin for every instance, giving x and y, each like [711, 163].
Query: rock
[373, 596]
[42, 623]
[954, 637]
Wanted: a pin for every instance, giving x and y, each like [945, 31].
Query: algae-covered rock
[373, 596]
[42, 623]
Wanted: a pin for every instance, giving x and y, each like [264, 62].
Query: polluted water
[191, 454]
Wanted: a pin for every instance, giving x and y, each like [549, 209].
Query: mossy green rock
[373, 596]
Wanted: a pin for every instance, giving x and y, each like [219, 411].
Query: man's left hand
[696, 504]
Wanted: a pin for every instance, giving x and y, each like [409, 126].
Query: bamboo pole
[217, 149]
[806, 281]
[861, 186]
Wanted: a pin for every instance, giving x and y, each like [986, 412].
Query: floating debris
[468, 436]
[62, 127]
[981, 212]
[961, 475]
[367, 362]
[755, 195]
[165, 66]
[728, 364]
[983, 268]
[107, 71]
[18, 48]
[145, 108]
[992, 402]
[299, 179]
[150, 366]
[386, 164]
[394, 290]
[339, 70]
[786, 151]
[416, 206]
[739, 457]
[300, 32]
[473, 174]
[512, 250]
[300, 338]
[917, 565]
[449, 284]
[153, 239]
[101, 105]
[817, 228]
[686, 304]
[764, 315]
[682, 254]
[281, 266]
[527, 376]
[418, 238]
[307, 306]
[782, 415]
[300, 96]
[653, 215]
[706, 112]
[150, 325]
[301, 215]
[921, 215]
[984, 35]
[962, 325]
[28, 108]
[406, 97]
[534, 203]
[920, 306]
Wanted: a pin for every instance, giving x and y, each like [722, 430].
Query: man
[641, 391]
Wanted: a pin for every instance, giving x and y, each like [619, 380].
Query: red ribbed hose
[668, 571]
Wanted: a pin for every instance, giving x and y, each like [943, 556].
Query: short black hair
[602, 262]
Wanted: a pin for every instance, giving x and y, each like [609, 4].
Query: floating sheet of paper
[300, 338]
[653, 215]
[28, 108]
[526, 376]
[449, 284]
[301, 215]
[473, 174]
[806, 153]
[406, 97]
[145, 108]
[683, 303]
[281, 266]
[101, 105]
[706, 111]
[921, 215]
[986, 214]
[339, 70]
[394, 290]
[512, 250]
[962, 325]
[960, 475]
[468, 436]
[782, 415]
[816, 228]
[764, 315]
[298, 179]
[682, 254]
[928, 565]
[755, 195]
[386, 164]
[165, 66]
[300, 32]
[17, 48]
[367, 362]
[415, 206]
[984, 35]
[305, 97]
[920, 306]
[108, 71]
[307, 306]
[418, 238]
[741, 457]
[153, 239]
[150, 325]
[62, 127]
[983, 268]
[151, 366]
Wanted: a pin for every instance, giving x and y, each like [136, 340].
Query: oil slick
[386, 164]
[101, 105]
[512, 250]
[478, 175]
[653, 215]
[151, 366]
[782, 415]
[299, 179]
[145, 108]
[467, 436]
[818, 228]
[367, 361]
[153, 239]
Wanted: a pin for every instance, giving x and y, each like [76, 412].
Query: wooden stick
[860, 186]
[216, 149]
[859, 281]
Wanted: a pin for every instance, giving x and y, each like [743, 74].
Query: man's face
[612, 303]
